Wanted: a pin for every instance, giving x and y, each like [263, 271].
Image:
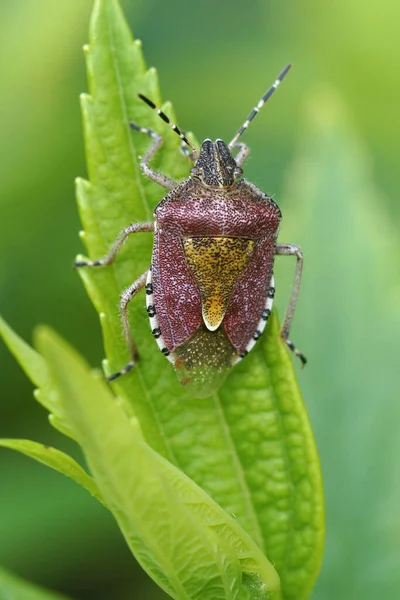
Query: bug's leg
[243, 153]
[159, 178]
[292, 250]
[107, 260]
[126, 297]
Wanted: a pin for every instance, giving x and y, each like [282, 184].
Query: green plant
[206, 492]
[14, 587]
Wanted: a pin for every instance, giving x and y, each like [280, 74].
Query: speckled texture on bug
[217, 263]
[210, 287]
[241, 213]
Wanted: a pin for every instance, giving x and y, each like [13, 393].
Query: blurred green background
[326, 147]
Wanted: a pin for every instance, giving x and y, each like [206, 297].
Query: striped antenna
[263, 100]
[167, 120]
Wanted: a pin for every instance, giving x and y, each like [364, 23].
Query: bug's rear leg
[126, 297]
[292, 250]
[159, 178]
[109, 259]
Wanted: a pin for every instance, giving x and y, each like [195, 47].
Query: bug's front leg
[292, 250]
[126, 297]
[243, 153]
[156, 176]
[109, 259]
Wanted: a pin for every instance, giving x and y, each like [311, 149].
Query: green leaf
[184, 540]
[14, 588]
[55, 459]
[36, 368]
[352, 321]
[271, 436]
[250, 445]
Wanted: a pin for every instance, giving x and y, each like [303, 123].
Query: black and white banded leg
[109, 259]
[292, 250]
[126, 297]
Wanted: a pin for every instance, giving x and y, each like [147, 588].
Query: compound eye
[195, 172]
[238, 172]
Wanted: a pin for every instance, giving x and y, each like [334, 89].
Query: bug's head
[215, 166]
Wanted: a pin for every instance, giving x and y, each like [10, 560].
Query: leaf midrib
[240, 474]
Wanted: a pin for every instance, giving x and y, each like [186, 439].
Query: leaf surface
[352, 321]
[183, 539]
[14, 588]
[250, 445]
[36, 368]
[57, 460]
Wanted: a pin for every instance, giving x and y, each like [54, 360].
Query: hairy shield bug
[210, 286]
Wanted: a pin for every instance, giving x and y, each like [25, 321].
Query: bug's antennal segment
[257, 108]
[169, 122]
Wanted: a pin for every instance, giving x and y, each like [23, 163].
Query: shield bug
[210, 285]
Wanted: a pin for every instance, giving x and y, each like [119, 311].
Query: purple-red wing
[176, 295]
[249, 296]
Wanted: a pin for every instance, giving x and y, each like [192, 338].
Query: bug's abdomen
[204, 361]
